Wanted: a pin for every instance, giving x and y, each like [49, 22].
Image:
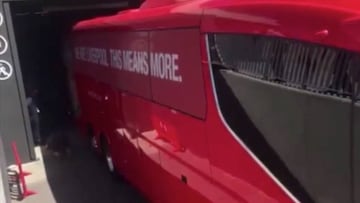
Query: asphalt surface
[79, 178]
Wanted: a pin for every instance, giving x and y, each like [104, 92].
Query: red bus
[225, 100]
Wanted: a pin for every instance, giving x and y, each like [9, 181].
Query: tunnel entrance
[41, 40]
[41, 90]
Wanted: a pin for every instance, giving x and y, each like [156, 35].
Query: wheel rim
[109, 162]
[93, 142]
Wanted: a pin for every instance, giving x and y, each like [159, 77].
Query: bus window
[176, 75]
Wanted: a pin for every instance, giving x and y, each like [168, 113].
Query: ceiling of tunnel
[53, 5]
[71, 5]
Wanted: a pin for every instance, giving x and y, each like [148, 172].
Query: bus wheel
[108, 157]
[92, 138]
[93, 142]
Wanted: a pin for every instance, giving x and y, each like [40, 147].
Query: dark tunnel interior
[41, 40]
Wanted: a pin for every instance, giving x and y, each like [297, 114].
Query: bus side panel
[151, 175]
[177, 113]
[127, 55]
[176, 77]
[90, 91]
[124, 114]
[90, 98]
[139, 159]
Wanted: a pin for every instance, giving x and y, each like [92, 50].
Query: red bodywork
[162, 131]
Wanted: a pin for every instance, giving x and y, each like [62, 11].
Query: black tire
[92, 139]
[108, 157]
[109, 162]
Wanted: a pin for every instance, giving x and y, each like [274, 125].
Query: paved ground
[82, 178]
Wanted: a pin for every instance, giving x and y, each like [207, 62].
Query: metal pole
[4, 182]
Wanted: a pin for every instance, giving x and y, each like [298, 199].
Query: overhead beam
[115, 5]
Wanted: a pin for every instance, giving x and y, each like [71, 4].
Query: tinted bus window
[175, 66]
[290, 102]
[116, 58]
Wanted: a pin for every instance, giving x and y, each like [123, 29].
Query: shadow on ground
[83, 178]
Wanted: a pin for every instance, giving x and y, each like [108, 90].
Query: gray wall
[14, 122]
